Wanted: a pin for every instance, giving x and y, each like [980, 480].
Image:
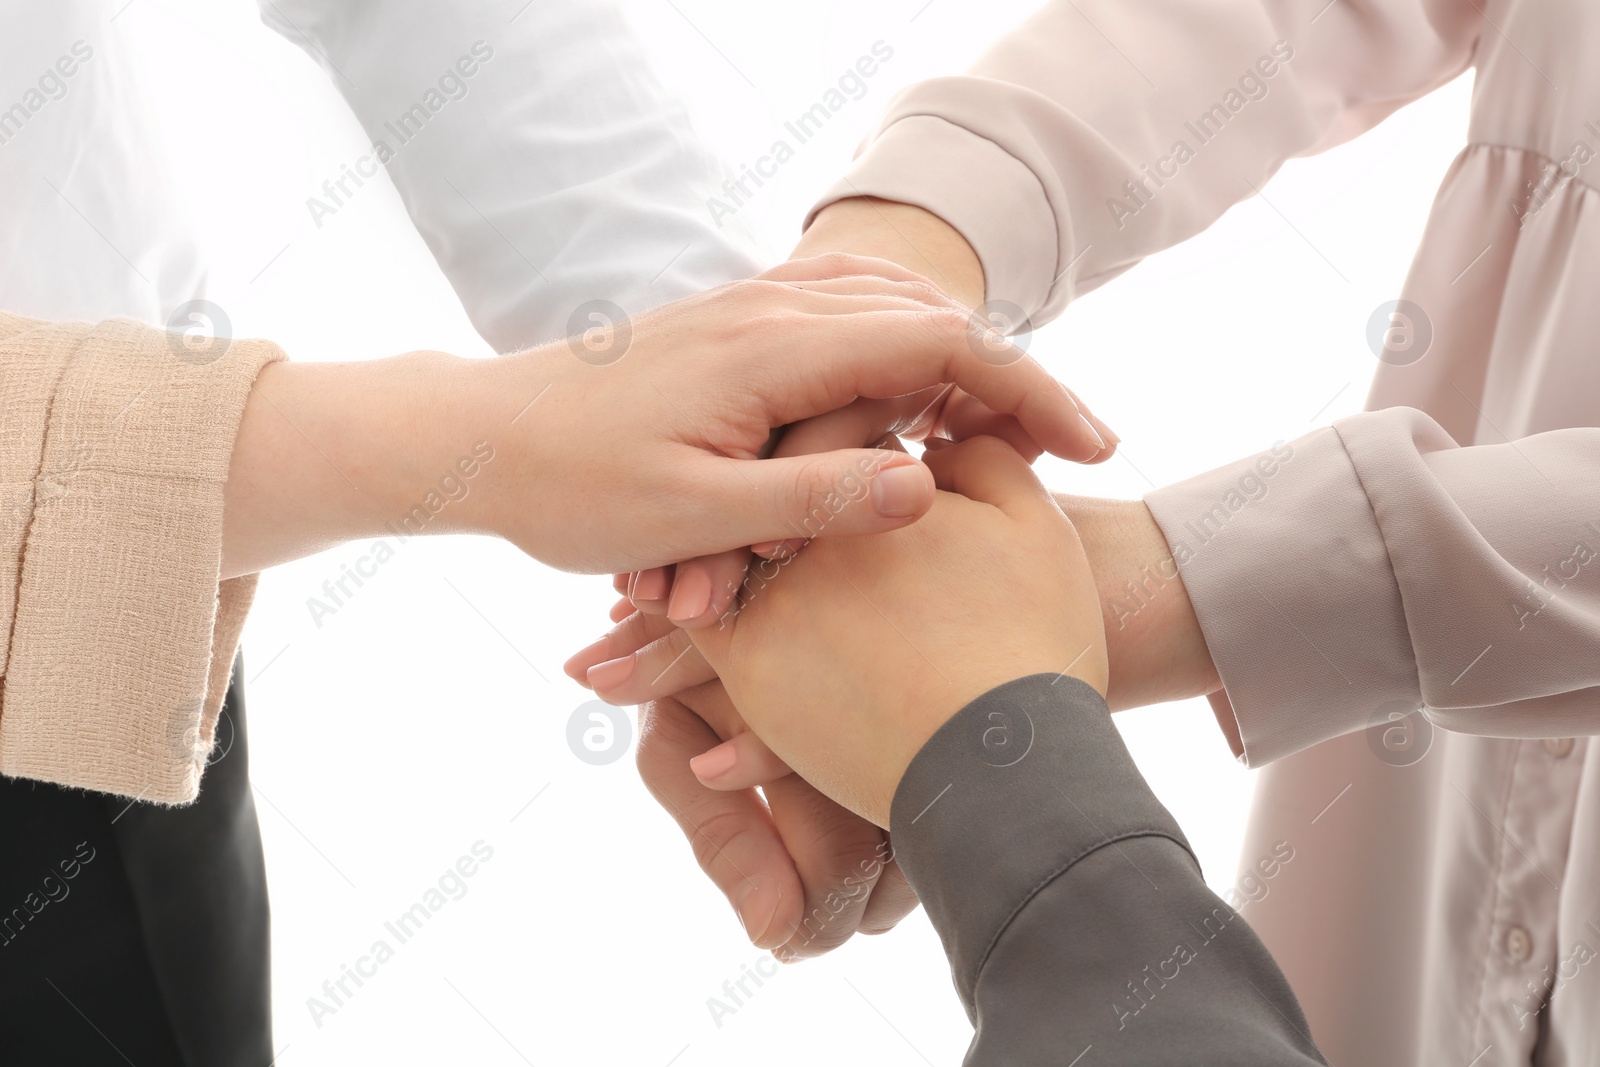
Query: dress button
[1558, 746]
[1519, 944]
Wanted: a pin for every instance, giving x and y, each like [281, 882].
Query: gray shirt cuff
[1068, 900]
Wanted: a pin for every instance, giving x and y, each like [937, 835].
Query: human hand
[802, 873]
[1155, 648]
[926, 247]
[847, 662]
[654, 458]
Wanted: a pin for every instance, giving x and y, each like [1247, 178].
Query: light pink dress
[1446, 880]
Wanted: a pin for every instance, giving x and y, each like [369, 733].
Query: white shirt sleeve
[535, 150]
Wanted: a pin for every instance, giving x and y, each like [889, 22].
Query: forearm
[333, 452]
[1377, 565]
[1064, 164]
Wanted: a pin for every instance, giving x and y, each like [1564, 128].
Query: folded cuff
[1020, 785]
[988, 195]
[123, 635]
[1293, 587]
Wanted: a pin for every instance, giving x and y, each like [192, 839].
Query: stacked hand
[649, 455]
[783, 856]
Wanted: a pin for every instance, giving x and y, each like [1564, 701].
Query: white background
[426, 714]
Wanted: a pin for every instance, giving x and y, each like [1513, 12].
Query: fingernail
[1094, 434]
[691, 595]
[577, 664]
[651, 585]
[611, 673]
[714, 763]
[899, 492]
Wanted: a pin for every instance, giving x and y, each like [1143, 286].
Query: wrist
[1155, 647]
[333, 452]
[905, 234]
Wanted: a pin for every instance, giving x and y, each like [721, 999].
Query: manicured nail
[577, 664]
[899, 492]
[714, 763]
[1094, 434]
[611, 673]
[691, 595]
[650, 585]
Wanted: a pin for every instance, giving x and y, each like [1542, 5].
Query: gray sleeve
[1078, 926]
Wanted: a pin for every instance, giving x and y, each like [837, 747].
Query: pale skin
[775, 854]
[638, 461]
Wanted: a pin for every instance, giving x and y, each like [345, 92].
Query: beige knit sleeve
[119, 636]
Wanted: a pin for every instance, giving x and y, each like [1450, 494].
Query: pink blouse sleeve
[1376, 566]
[1100, 131]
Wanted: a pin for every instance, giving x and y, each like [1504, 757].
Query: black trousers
[135, 933]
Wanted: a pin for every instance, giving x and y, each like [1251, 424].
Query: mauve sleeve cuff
[123, 634]
[988, 195]
[1292, 584]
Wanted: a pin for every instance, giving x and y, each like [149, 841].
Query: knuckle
[947, 323]
[927, 293]
[839, 264]
[805, 490]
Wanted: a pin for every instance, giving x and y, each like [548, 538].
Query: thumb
[848, 491]
[988, 470]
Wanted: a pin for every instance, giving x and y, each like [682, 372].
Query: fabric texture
[1408, 622]
[115, 442]
[1078, 926]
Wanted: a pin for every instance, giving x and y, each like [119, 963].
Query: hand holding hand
[914, 246]
[849, 660]
[655, 458]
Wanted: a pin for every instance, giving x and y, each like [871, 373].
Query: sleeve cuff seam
[1003, 150]
[1388, 553]
[1058, 871]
